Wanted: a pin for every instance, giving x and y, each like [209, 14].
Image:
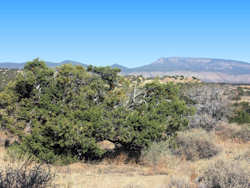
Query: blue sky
[131, 33]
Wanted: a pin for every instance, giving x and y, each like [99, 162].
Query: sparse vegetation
[195, 145]
[155, 153]
[177, 183]
[72, 114]
[234, 132]
[245, 156]
[25, 177]
[225, 174]
[211, 105]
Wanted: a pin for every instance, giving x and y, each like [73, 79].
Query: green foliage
[153, 114]
[240, 91]
[242, 113]
[61, 115]
[108, 74]
[241, 117]
[6, 75]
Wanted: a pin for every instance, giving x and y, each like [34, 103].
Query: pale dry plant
[225, 174]
[194, 145]
[211, 102]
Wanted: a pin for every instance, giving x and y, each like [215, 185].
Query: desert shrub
[26, 177]
[222, 174]
[194, 145]
[240, 91]
[242, 134]
[177, 183]
[241, 117]
[131, 185]
[210, 103]
[155, 153]
[234, 132]
[241, 113]
[245, 156]
[247, 92]
[62, 114]
[237, 94]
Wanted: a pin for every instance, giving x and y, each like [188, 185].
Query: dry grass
[195, 144]
[167, 170]
[233, 132]
[175, 182]
[244, 99]
[23, 172]
[3, 138]
[226, 174]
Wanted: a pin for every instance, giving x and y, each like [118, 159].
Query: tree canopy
[61, 114]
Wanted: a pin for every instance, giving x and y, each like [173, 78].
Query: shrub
[210, 103]
[177, 183]
[62, 115]
[245, 156]
[241, 117]
[241, 113]
[133, 186]
[223, 174]
[242, 134]
[194, 145]
[234, 132]
[26, 177]
[7, 75]
[240, 91]
[155, 153]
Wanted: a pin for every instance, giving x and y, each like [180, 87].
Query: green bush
[7, 75]
[242, 113]
[241, 117]
[61, 115]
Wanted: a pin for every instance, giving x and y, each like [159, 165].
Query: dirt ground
[116, 174]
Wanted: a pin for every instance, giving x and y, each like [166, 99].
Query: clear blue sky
[130, 33]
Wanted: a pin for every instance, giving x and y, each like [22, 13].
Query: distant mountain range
[206, 69]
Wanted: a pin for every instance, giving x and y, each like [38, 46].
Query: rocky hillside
[206, 69]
